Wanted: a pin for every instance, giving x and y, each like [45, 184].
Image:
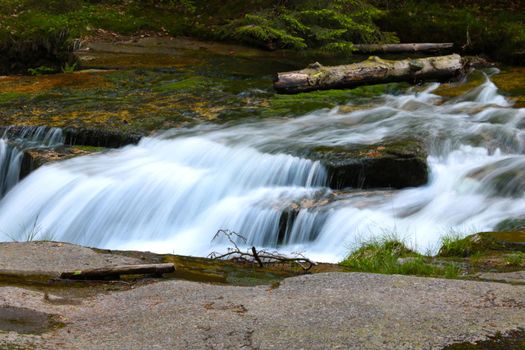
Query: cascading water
[171, 193]
[14, 142]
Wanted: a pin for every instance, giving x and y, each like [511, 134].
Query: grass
[32, 233]
[515, 259]
[391, 256]
[457, 245]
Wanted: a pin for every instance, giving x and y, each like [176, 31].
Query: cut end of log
[114, 272]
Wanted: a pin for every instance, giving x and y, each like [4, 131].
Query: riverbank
[39, 38]
[315, 311]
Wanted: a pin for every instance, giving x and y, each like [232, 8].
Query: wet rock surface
[396, 164]
[36, 157]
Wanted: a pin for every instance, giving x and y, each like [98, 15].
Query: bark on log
[114, 272]
[372, 71]
[402, 48]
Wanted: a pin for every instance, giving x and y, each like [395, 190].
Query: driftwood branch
[260, 257]
[372, 71]
[404, 48]
[114, 272]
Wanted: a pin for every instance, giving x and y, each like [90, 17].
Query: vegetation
[456, 245]
[42, 33]
[390, 256]
[496, 28]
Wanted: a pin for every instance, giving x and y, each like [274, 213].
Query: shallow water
[172, 192]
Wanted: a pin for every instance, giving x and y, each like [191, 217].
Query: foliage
[328, 25]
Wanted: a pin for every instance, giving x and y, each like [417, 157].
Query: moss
[513, 340]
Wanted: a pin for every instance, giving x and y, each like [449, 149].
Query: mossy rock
[397, 164]
[483, 243]
[36, 157]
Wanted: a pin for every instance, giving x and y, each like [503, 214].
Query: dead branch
[260, 257]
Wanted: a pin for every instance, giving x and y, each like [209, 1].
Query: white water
[173, 192]
[12, 145]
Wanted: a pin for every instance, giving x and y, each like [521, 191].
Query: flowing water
[14, 142]
[172, 192]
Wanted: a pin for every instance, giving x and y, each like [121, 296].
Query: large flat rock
[52, 258]
[321, 311]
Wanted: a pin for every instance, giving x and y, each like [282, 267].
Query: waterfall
[172, 192]
[14, 141]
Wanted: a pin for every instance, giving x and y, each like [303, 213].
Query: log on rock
[402, 48]
[114, 272]
[372, 71]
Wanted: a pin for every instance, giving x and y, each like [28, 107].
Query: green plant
[515, 259]
[41, 70]
[455, 244]
[451, 270]
[69, 68]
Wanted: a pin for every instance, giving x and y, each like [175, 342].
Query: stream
[175, 189]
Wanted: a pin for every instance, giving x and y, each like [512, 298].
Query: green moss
[193, 83]
[514, 340]
[8, 97]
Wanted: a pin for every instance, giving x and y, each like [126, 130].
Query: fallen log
[404, 48]
[114, 272]
[372, 71]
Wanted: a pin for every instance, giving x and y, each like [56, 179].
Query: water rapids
[171, 193]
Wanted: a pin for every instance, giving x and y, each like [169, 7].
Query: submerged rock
[396, 164]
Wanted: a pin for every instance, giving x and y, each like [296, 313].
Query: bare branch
[260, 257]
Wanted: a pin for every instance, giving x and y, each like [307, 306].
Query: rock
[504, 178]
[511, 224]
[396, 164]
[99, 138]
[36, 157]
[516, 277]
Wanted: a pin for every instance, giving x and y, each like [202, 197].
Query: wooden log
[404, 48]
[114, 272]
[372, 71]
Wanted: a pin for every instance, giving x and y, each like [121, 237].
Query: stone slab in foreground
[321, 311]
